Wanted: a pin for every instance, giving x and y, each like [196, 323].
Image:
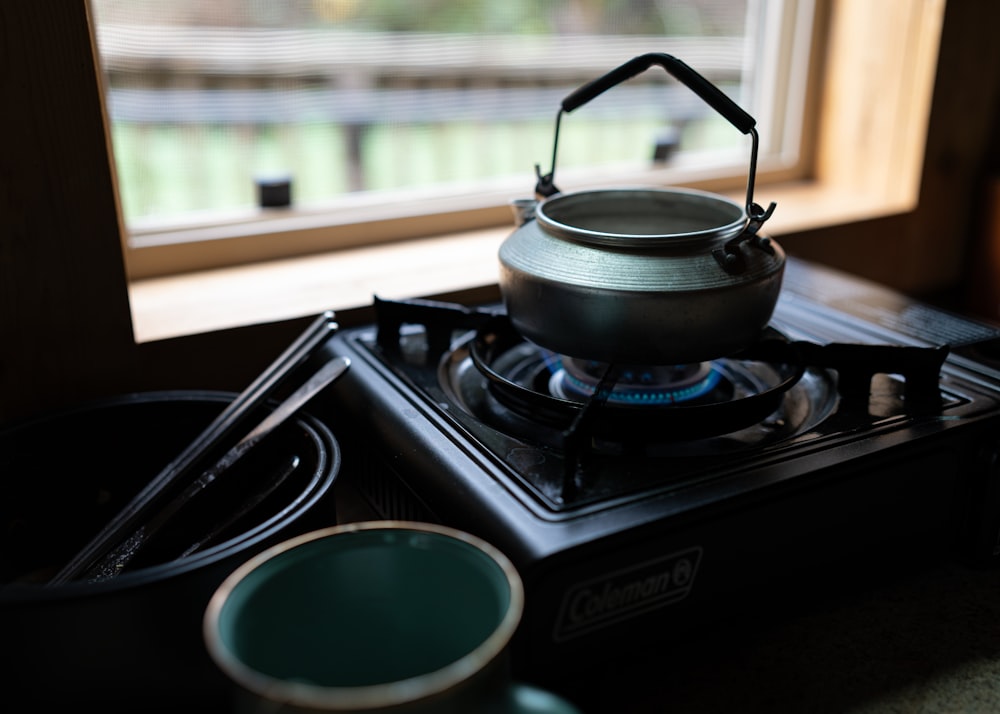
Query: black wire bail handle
[712, 95]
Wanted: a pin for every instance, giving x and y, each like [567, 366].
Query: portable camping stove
[641, 502]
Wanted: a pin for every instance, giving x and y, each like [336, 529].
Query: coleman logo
[600, 602]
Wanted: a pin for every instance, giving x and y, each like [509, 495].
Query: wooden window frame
[161, 246]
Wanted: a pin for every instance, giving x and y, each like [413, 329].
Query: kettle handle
[712, 95]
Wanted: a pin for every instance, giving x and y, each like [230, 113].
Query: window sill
[274, 291]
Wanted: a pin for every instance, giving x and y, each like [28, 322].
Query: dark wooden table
[924, 641]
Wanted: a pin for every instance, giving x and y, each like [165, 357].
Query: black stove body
[872, 437]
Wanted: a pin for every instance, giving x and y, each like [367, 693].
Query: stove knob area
[985, 512]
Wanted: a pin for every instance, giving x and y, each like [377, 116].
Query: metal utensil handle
[224, 424]
[712, 95]
[118, 557]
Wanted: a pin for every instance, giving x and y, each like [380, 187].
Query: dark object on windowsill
[274, 191]
[668, 142]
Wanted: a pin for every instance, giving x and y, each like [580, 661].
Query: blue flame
[635, 386]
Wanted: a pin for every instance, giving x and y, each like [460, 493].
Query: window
[74, 327]
[381, 111]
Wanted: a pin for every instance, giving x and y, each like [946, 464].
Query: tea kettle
[641, 275]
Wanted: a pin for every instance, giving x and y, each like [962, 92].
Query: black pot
[135, 641]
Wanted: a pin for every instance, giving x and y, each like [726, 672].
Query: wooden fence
[250, 79]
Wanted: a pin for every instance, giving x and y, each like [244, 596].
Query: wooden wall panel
[64, 319]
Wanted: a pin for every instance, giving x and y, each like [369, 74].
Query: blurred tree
[623, 17]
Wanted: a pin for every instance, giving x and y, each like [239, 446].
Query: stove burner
[717, 398]
[574, 378]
